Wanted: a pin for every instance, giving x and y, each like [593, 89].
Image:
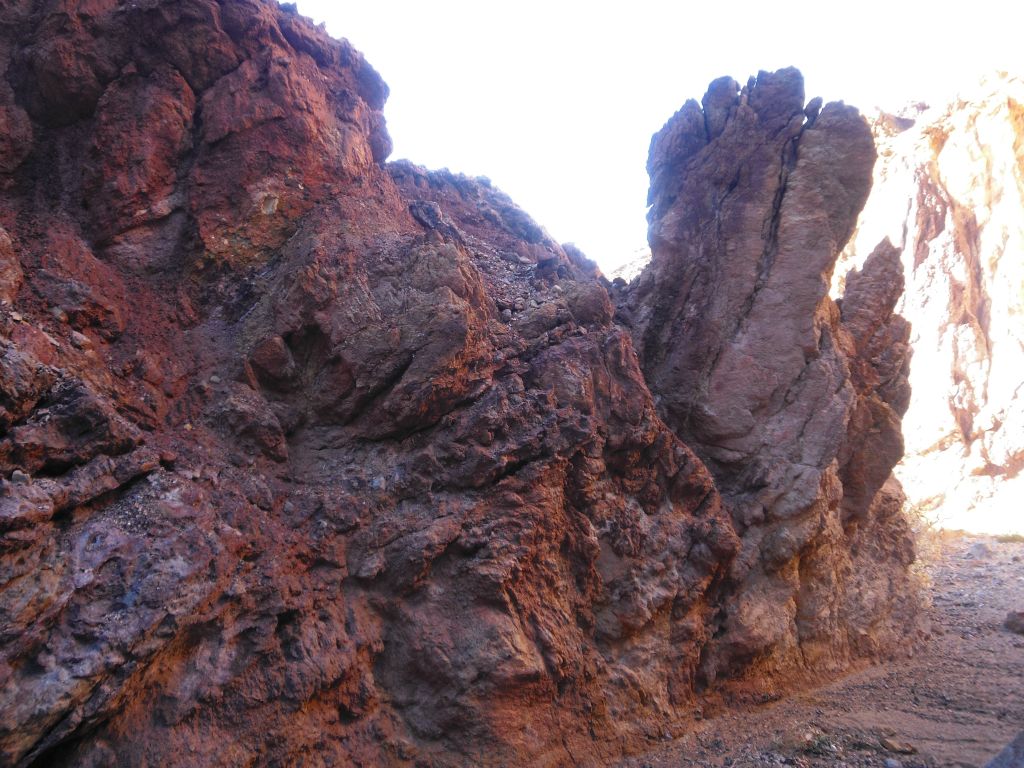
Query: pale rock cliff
[949, 191]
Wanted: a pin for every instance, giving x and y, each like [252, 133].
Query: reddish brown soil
[956, 702]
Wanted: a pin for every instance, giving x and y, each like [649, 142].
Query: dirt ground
[957, 702]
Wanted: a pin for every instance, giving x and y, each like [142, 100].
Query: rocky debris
[792, 400]
[306, 456]
[247, 419]
[947, 192]
[957, 700]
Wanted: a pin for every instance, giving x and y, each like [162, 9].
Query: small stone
[167, 458]
[891, 762]
[371, 566]
[979, 550]
[59, 314]
[1015, 622]
[557, 289]
[506, 315]
[16, 317]
[20, 478]
[215, 379]
[188, 427]
[80, 340]
[899, 746]
[524, 260]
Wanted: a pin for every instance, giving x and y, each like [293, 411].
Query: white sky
[556, 102]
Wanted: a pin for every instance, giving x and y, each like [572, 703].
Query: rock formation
[311, 459]
[949, 191]
[792, 400]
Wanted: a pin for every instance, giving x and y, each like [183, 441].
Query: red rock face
[309, 458]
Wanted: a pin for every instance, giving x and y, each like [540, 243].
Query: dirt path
[957, 702]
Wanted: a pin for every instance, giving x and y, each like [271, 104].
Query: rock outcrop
[792, 400]
[307, 458]
[949, 191]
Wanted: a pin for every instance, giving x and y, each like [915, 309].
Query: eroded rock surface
[793, 402]
[948, 191]
[311, 459]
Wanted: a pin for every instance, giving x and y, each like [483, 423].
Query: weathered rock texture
[949, 191]
[792, 400]
[310, 460]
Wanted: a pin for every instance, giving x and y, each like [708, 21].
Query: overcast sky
[556, 101]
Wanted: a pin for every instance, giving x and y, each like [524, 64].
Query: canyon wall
[949, 191]
[308, 458]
